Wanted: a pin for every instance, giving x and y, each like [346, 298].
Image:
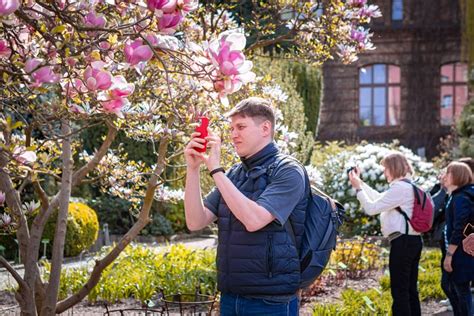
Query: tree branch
[13, 272]
[143, 220]
[84, 170]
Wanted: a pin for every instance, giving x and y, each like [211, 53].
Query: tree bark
[25, 293]
[49, 305]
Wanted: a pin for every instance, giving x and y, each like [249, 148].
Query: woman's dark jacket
[459, 212]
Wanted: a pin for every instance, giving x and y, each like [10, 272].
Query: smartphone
[350, 169]
[202, 128]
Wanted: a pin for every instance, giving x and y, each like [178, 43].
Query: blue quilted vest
[264, 262]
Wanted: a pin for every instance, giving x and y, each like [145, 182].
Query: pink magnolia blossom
[356, 3]
[186, 6]
[169, 22]
[137, 52]
[120, 88]
[231, 68]
[5, 50]
[2, 197]
[163, 41]
[93, 19]
[24, 156]
[114, 106]
[8, 6]
[371, 11]
[74, 87]
[96, 78]
[40, 75]
[166, 6]
[359, 35]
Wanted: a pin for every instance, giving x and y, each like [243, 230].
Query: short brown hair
[468, 161]
[397, 164]
[255, 108]
[460, 172]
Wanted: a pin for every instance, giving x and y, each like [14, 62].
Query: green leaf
[342, 265]
[368, 302]
[58, 29]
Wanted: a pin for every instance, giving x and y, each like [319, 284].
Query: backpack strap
[279, 161]
[399, 209]
[405, 216]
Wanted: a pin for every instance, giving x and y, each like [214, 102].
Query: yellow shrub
[82, 229]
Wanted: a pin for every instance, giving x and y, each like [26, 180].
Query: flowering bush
[367, 157]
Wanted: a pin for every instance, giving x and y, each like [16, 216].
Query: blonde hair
[460, 172]
[397, 164]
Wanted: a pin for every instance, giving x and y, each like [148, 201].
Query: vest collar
[260, 157]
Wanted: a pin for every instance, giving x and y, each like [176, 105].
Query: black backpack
[320, 228]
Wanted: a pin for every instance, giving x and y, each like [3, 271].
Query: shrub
[82, 229]
[174, 213]
[141, 271]
[357, 257]
[465, 129]
[117, 213]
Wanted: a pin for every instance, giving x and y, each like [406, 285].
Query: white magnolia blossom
[166, 194]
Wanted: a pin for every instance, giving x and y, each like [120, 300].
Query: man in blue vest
[257, 259]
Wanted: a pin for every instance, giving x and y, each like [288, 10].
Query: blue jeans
[236, 305]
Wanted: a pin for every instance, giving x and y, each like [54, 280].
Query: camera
[350, 169]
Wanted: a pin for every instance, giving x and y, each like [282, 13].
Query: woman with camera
[458, 263]
[406, 244]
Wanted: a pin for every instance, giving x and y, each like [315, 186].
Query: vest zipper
[227, 251]
[270, 256]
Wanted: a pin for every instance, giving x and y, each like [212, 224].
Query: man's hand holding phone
[197, 145]
[201, 140]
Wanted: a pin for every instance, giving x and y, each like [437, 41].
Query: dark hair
[255, 108]
[397, 164]
[460, 172]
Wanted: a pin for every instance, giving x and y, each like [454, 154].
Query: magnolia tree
[147, 68]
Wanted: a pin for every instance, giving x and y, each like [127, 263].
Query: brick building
[412, 87]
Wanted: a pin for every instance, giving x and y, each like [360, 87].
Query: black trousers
[405, 255]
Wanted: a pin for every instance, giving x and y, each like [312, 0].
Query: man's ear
[266, 128]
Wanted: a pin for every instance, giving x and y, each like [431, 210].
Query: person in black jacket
[459, 212]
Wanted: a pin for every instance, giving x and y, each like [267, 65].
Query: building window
[379, 95]
[397, 10]
[453, 92]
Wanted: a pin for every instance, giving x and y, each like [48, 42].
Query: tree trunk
[49, 305]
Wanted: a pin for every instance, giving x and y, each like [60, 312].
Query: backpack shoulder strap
[405, 216]
[279, 161]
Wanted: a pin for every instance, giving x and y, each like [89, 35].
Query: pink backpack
[423, 210]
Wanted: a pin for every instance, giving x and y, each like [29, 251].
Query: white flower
[2, 197]
[5, 219]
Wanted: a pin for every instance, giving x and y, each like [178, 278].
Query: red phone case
[202, 128]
